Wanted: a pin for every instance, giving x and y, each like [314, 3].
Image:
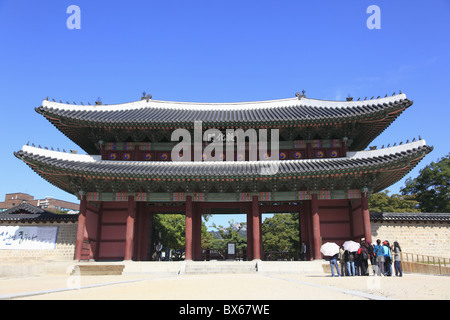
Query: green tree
[382, 202]
[281, 233]
[229, 234]
[171, 229]
[431, 186]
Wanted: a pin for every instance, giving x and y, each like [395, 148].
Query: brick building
[48, 203]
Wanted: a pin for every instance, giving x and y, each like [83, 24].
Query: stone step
[212, 267]
[98, 269]
[298, 267]
[318, 267]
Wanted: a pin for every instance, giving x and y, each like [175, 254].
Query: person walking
[159, 248]
[350, 262]
[363, 253]
[397, 259]
[303, 251]
[333, 262]
[371, 257]
[387, 258]
[357, 264]
[342, 261]
[379, 253]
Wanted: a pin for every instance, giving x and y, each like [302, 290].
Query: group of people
[381, 256]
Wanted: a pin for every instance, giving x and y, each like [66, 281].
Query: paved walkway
[259, 286]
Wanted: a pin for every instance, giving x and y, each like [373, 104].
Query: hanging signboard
[28, 238]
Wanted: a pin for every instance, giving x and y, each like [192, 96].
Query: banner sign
[28, 238]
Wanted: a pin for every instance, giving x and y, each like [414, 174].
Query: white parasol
[351, 246]
[329, 249]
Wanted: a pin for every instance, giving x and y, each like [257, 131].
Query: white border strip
[225, 106]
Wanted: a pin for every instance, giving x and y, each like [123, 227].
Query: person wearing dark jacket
[371, 257]
[363, 254]
[342, 261]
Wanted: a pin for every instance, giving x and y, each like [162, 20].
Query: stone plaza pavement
[261, 285]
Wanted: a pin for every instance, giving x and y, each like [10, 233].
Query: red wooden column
[310, 240]
[196, 232]
[366, 217]
[129, 235]
[249, 231]
[188, 235]
[99, 231]
[141, 232]
[256, 229]
[304, 230]
[316, 226]
[81, 228]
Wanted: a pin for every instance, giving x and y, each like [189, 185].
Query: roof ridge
[220, 106]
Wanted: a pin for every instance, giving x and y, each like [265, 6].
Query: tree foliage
[431, 187]
[228, 234]
[382, 202]
[281, 233]
[170, 229]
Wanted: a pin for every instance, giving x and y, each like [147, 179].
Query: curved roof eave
[88, 162]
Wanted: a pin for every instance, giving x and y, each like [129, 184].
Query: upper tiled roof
[359, 121]
[156, 111]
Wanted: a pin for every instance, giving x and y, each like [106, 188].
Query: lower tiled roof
[28, 212]
[379, 168]
[406, 216]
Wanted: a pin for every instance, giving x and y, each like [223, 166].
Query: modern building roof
[27, 212]
[380, 167]
[73, 120]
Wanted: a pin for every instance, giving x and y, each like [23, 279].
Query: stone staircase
[318, 267]
[216, 267]
[98, 269]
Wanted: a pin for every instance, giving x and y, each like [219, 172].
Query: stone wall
[64, 248]
[427, 238]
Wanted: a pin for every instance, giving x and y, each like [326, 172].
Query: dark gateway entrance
[120, 230]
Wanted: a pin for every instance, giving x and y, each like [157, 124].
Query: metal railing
[279, 256]
[420, 263]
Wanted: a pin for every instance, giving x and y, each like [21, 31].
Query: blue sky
[218, 51]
